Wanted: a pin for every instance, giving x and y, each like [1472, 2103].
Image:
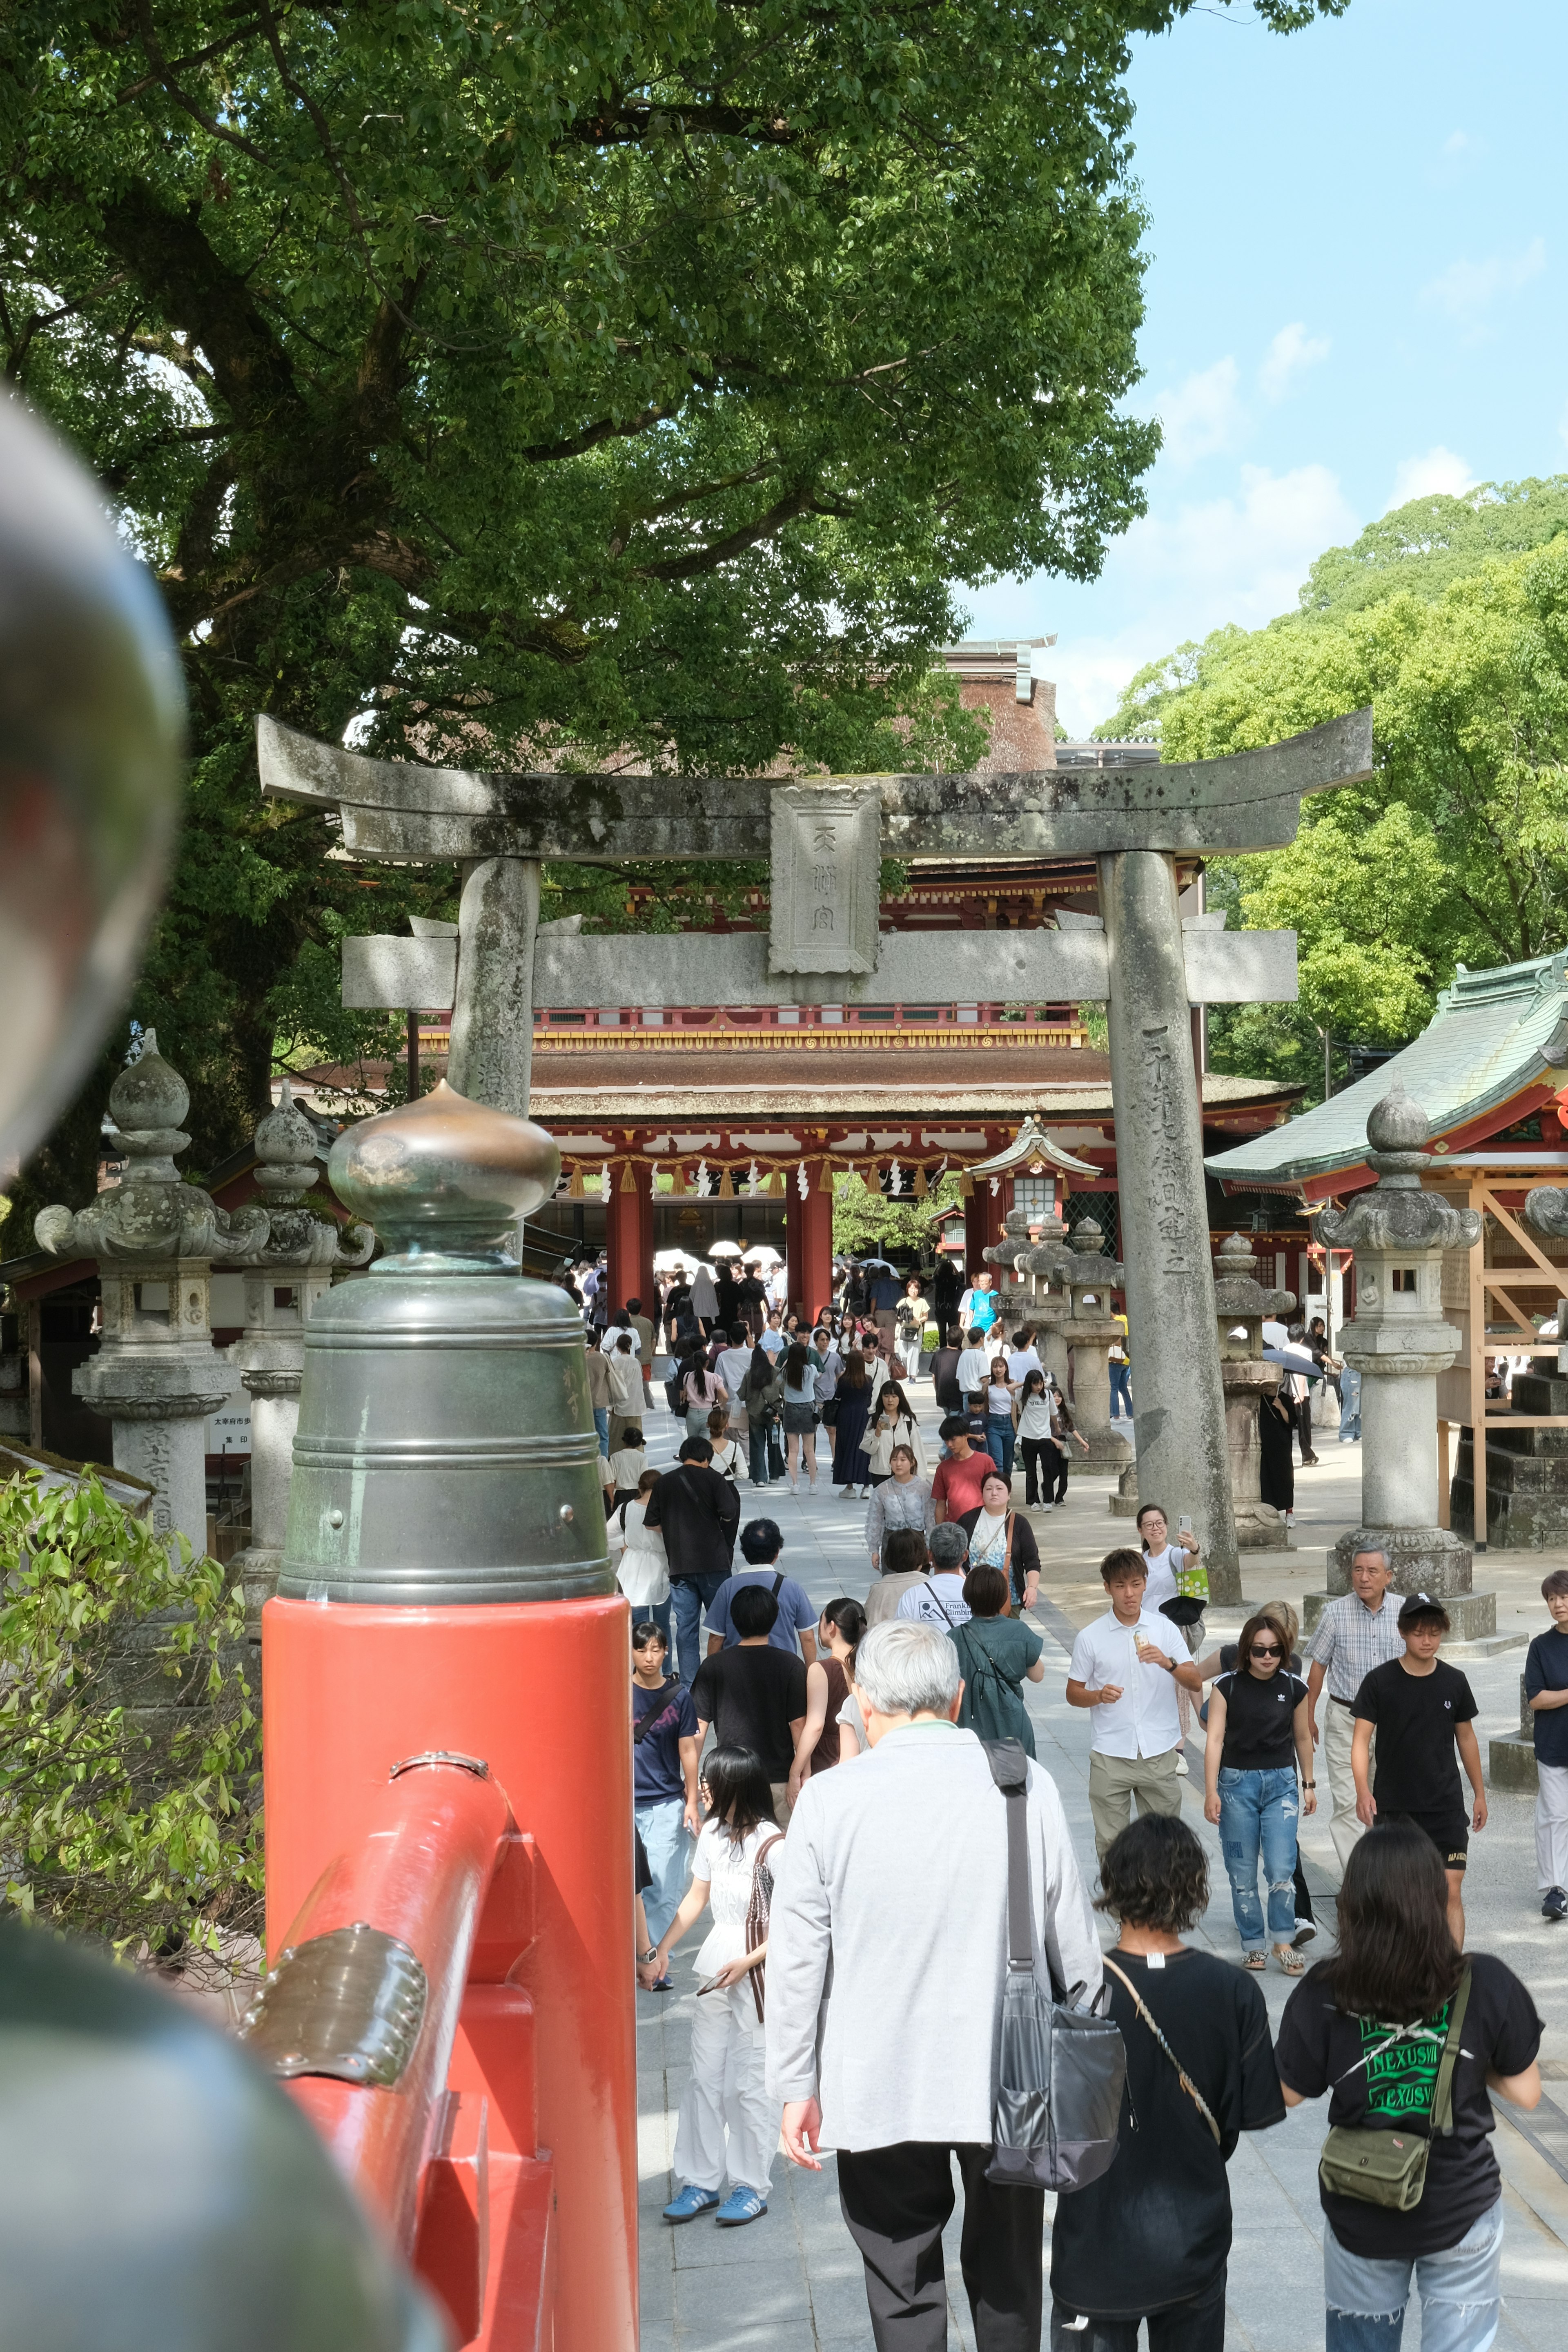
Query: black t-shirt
[1155, 2228]
[750, 1697]
[1546, 1669]
[1416, 1715]
[1259, 1721]
[1501, 2032]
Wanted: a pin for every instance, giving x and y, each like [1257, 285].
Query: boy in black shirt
[754, 1694]
[1422, 1711]
[1546, 1694]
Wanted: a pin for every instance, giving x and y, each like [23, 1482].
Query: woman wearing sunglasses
[1259, 1729]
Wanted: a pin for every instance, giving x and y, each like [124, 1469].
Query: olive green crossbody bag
[1380, 2164]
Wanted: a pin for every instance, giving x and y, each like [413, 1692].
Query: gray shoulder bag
[1062, 2068]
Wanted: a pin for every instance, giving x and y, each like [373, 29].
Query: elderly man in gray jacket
[887, 1950]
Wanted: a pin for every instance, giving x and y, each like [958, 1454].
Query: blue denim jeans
[669, 1847]
[658, 1611]
[757, 1447]
[1350, 1404]
[1258, 1811]
[1000, 1434]
[1121, 1391]
[602, 1424]
[1460, 2290]
[691, 1595]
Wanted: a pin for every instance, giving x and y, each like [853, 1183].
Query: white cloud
[1436, 469]
[1291, 352]
[1466, 289]
[1179, 574]
[1457, 142]
[1201, 415]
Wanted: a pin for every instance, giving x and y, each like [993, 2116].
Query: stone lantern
[1089, 1329]
[157, 1377]
[1008, 1256]
[1241, 1304]
[1399, 1343]
[282, 1288]
[1048, 1265]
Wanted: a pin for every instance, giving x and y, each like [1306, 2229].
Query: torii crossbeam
[824, 839]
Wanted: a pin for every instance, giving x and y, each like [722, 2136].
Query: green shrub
[130, 1788]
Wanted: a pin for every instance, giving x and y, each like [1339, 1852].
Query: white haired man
[1356, 1633]
[907, 1856]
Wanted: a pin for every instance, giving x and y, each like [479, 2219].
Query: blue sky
[1355, 294]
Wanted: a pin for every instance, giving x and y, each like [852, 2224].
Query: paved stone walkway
[791, 2282]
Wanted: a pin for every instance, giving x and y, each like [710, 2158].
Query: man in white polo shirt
[1125, 1668]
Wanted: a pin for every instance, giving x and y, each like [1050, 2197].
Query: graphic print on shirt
[1402, 2081]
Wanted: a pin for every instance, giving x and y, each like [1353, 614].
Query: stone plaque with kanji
[826, 855]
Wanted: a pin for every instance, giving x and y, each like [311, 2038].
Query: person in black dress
[1277, 1422]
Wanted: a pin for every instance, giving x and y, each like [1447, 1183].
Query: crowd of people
[844, 1812]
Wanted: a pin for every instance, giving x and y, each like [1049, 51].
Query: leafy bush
[129, 1750]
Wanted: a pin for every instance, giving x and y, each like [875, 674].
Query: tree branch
[164, 74]
[735, 543]
[170, 257]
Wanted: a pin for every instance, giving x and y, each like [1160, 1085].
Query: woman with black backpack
[1409, 2035]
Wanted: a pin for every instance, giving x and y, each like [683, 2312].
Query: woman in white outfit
[728, 2126]
[642, 1564]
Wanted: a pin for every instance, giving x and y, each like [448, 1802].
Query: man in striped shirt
[1354, 1634]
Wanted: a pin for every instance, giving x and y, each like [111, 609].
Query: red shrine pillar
[983, 1212]
[646, 1285]
[808, 1240]
[624, 1226]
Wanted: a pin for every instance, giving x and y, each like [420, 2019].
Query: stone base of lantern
[1423, 1559]
[1107, 1452]
[1511, 1759]
[1260, 1527]
[1123, 1504]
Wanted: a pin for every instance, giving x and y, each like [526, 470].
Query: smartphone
[712, 1985]
[1184, 1525]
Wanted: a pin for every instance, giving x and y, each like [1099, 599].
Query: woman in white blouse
[892, 1422]
[642, 1565]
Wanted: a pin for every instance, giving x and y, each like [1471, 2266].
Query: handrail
[359, 2010]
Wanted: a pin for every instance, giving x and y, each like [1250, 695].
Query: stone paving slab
[793, 2282]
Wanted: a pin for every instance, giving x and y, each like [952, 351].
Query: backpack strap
[778, 1588]
[1443, 2101]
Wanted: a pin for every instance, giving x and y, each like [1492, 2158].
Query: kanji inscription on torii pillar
[826, 852]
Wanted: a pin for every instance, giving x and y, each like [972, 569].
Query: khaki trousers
[1115, 1781]
[1338, 1727]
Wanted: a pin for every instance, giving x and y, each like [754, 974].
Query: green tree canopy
[570, 383]
[1456, 852]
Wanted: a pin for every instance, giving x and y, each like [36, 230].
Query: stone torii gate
[826, 840]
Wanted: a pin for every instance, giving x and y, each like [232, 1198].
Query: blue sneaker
[740, 2205]
[689, 2203]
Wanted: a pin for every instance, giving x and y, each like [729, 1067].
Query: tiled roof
[1495, 1034]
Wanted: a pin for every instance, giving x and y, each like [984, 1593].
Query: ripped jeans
[1258, 1811]
[1460, 2290]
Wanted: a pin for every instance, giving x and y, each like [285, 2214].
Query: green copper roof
[1494, 1033]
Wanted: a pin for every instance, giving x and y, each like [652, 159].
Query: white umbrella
[672, 1261]
[763, 1254]
[727, 1249]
